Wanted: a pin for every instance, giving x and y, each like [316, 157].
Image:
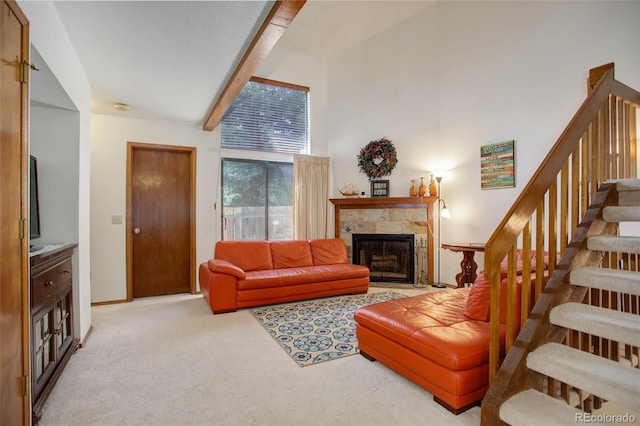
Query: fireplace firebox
[389, 257]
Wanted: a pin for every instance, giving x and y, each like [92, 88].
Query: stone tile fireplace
[390, 216]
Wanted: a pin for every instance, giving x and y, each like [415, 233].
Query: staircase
[615, 380]
[577, 347]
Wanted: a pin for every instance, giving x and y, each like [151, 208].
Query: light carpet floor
[170, 361]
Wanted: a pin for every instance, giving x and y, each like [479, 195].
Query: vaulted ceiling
[171, 60]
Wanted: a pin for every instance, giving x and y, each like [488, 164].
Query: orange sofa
[253, 273]
[438, 340]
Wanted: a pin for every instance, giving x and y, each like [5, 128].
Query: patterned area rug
[318, 330]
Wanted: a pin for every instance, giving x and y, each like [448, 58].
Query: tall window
[257, 200]
[268, 116]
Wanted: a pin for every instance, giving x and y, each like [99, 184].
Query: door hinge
[24, 72]
[25, 385]
[22, 228]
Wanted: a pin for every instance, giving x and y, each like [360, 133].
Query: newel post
[595, 74]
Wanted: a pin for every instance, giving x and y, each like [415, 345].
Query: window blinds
[267, 116]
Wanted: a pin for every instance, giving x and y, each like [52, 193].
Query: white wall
[109, 136]
[54, 141]
[466, 74]
[49, 37]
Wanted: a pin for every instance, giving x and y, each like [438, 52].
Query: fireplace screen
[389, 257]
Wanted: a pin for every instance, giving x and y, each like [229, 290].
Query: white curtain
[311, 196]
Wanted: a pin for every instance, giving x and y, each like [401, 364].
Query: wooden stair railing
[555, 212]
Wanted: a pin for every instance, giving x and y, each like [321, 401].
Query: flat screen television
[34, 203]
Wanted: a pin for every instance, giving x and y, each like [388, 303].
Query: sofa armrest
[224, 267]
[219, 289]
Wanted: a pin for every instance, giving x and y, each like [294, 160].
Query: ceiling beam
[273, 27]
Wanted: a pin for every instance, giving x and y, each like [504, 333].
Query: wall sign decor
[377, 158]
[379, 188]
[497, 165]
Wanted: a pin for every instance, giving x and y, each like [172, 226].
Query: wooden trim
[83, 342]
[192, 218]
[596, 74]
[110, 302]
[26, 262]
[128, 238]
[280, 17]
[131, 146]
[382, 202]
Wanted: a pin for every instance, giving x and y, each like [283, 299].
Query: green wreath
[378, 158]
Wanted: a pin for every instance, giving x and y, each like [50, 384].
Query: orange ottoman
[429, 340]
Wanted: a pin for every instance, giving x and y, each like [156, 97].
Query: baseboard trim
[109, 302]
[86, 337]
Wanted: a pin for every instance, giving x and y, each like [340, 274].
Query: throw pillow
[479, 301]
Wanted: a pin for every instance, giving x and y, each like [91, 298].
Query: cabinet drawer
[50, 282]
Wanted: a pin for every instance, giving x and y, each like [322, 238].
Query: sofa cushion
[434, 326]
[246, 255]
[291, 254]
[328, 252]
[298, 276]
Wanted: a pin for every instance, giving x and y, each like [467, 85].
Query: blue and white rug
[318, 330]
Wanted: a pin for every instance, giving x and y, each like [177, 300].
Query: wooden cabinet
[52, 339]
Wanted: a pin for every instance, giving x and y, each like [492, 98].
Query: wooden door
[14, 257]
[160, 220]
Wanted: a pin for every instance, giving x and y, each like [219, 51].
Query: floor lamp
[443, 212]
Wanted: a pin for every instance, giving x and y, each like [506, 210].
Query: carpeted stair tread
[524, 408]
[628, 192]
[614, 243]
[607, 379]
[607, 279]
[629, 198]
[621, 214]
[630, 184]
[614, 325]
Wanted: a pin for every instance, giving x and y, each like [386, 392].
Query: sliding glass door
[257, 200]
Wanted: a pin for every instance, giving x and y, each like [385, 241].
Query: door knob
[136, 230]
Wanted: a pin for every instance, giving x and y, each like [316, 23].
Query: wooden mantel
[384, 202]
[390, 203]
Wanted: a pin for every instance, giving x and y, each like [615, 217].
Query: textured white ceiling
[326, 27]
[166, 59]
[169, 60]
